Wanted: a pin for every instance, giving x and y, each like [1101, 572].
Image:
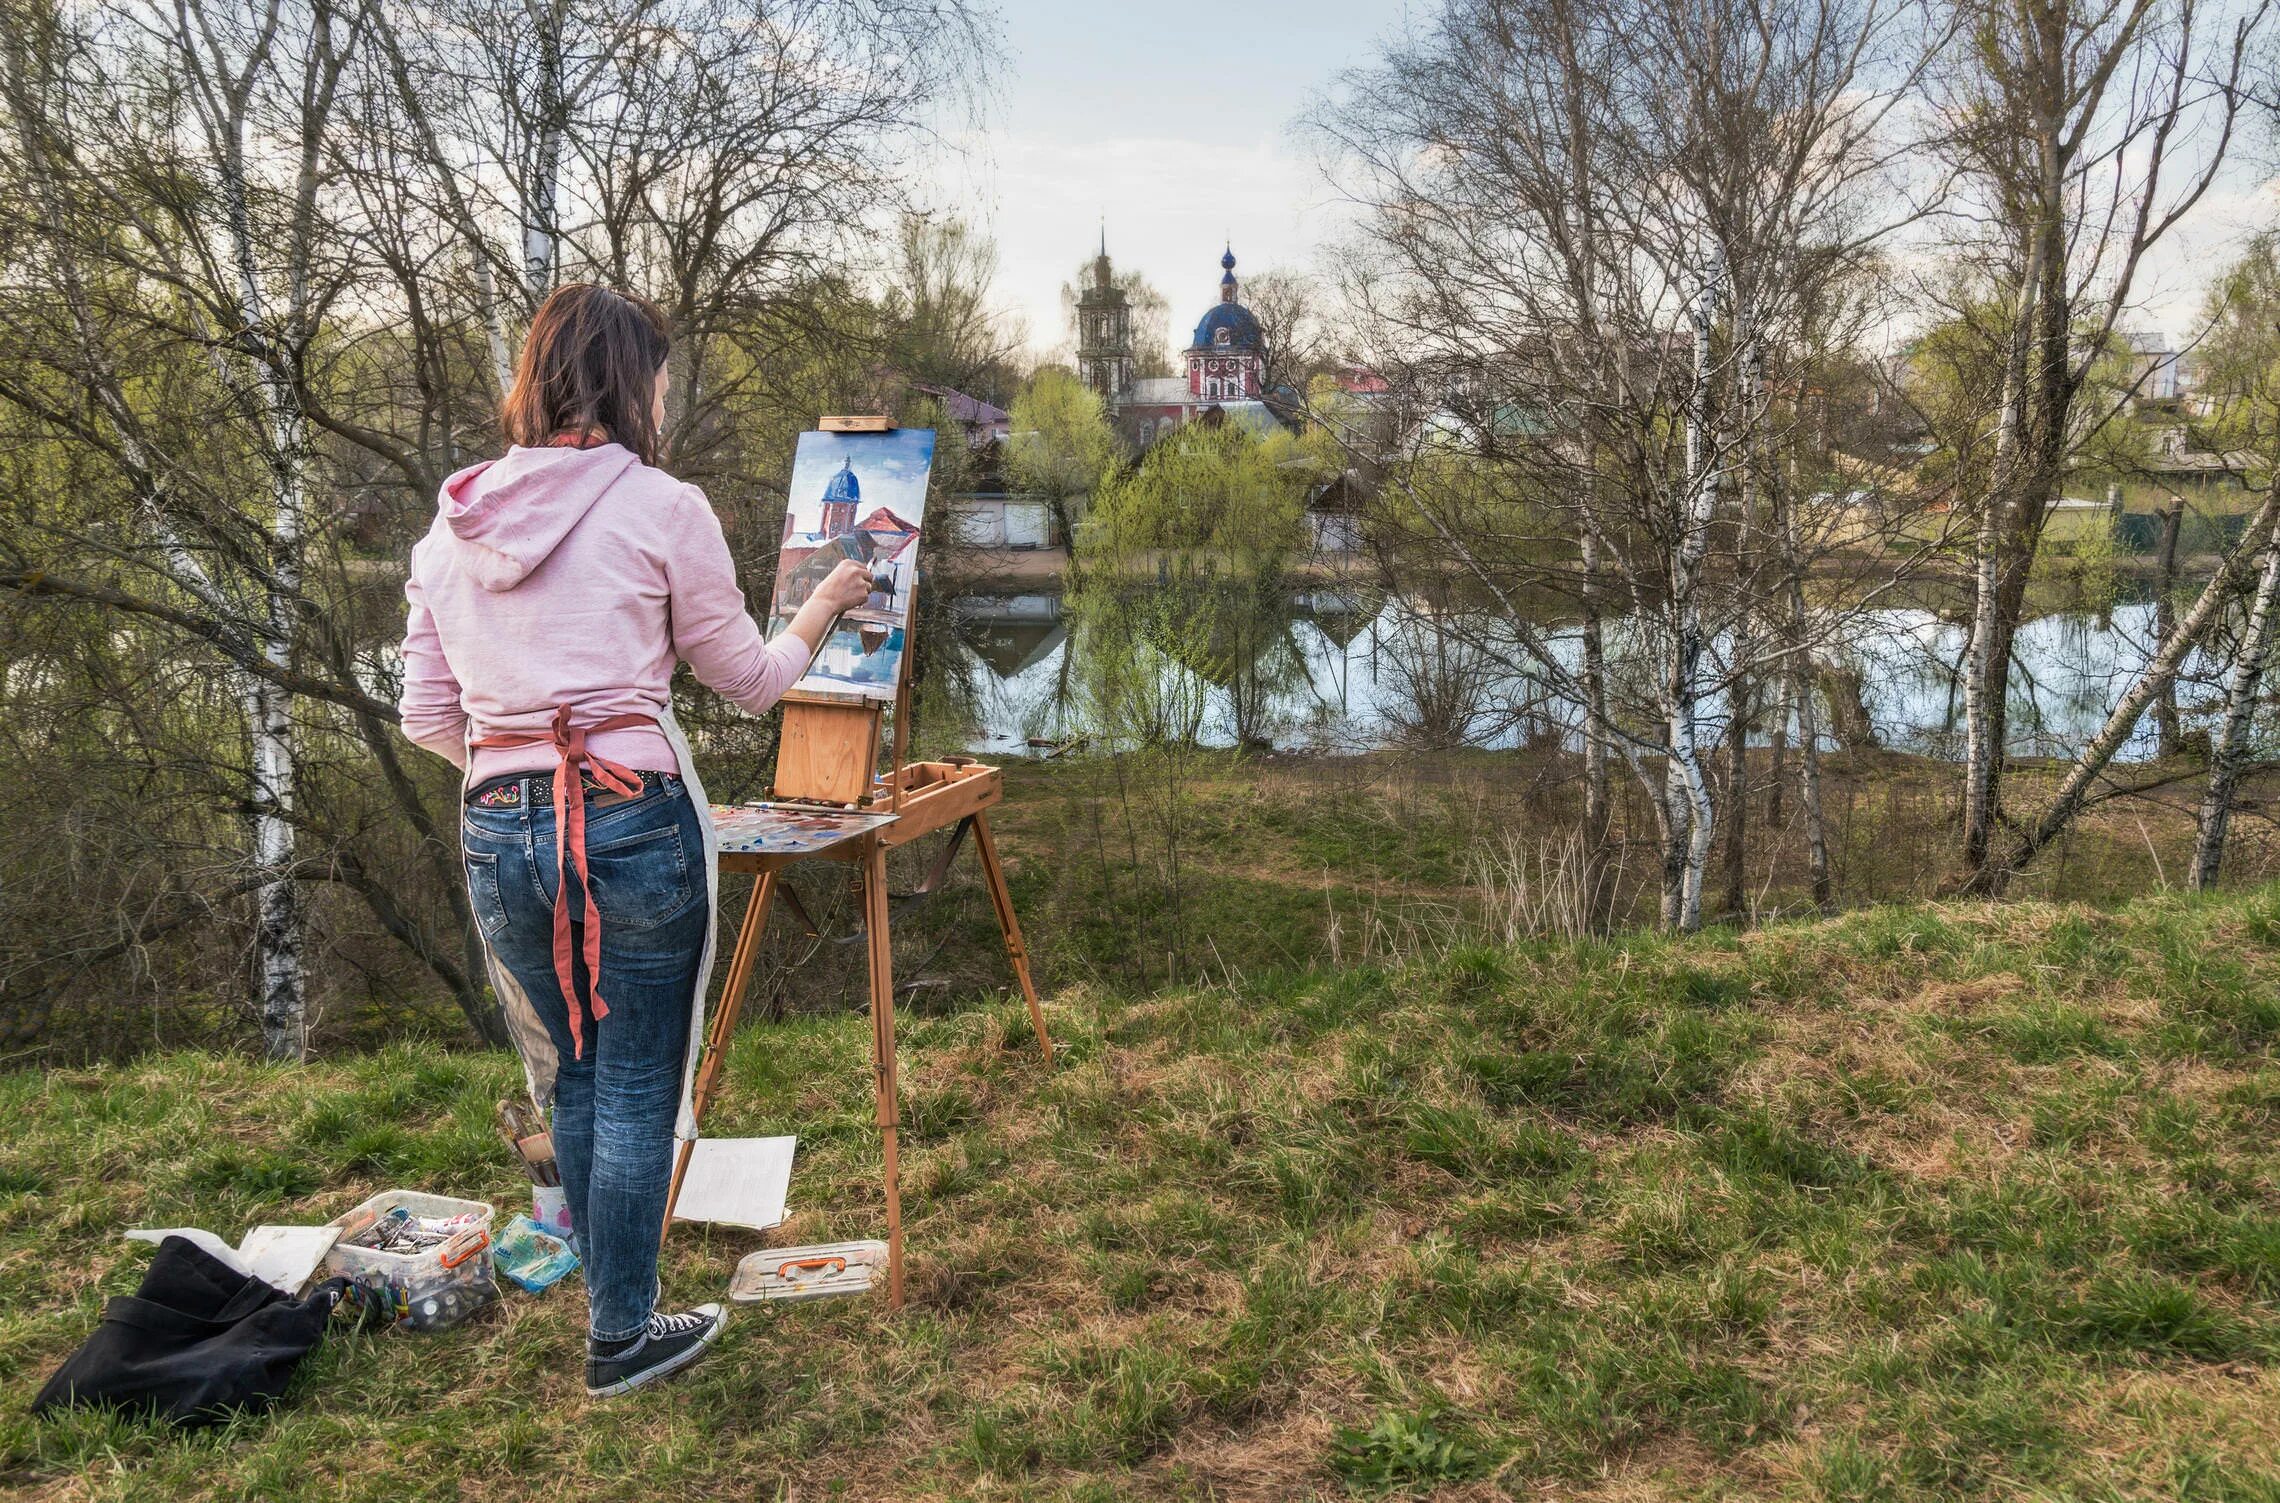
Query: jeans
[614, 1109]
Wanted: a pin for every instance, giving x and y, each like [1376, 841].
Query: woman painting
[550, 601]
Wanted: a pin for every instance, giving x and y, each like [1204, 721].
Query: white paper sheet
[284, 1256]
[287, 1255]
[206, 1242]
[737, 1182]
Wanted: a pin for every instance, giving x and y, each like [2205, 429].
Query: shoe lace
[663, 1325]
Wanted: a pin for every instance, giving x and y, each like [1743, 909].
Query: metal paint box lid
[796, 1273]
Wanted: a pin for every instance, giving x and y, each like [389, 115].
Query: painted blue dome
[843, 486]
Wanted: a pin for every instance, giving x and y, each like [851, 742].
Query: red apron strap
[573, 761]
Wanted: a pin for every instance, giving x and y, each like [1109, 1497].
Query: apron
[540, 1060]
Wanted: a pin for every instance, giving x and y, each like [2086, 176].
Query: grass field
[1916, 1203]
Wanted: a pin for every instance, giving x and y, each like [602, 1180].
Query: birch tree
[1551, 181]
[2082, 135]
[2228, 743]
[262, 302]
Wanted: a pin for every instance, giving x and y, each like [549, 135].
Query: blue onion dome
[1241, 329]
[843, 486]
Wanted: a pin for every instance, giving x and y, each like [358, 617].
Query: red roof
[884, 524]
[960, 408]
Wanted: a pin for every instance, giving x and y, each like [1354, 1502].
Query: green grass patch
[1969, 1202]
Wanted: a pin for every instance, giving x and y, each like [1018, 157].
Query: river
[1353, 671]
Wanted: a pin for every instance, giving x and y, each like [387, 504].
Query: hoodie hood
[510, 514]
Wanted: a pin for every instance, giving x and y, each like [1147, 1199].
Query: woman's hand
[845, 587]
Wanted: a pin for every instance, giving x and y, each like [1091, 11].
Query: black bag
[197, 1341]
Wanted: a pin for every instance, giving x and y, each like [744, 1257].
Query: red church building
[1226, 369]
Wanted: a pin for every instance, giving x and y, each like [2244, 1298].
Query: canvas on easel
[860, 496]
[858, 492]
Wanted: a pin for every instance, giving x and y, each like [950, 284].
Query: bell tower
[839, 500]
[1104, 332]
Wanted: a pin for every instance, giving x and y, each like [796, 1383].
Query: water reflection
[1353, 670]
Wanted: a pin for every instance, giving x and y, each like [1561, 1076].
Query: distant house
[2154, 366]
[982, 423]
[994, 518]
[2177, 466]
[989, 516]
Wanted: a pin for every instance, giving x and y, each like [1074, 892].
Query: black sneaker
[670, 1343]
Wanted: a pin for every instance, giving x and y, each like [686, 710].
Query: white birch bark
[543, 191]
[269, 350]
[2115, 732]
[1984, 678]
[1687, 789]
[2228, 747]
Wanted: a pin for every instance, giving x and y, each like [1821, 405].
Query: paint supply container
[805, 1273]
[550, 1208]
[425, 1258]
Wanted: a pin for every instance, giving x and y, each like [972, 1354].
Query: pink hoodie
[574, 576]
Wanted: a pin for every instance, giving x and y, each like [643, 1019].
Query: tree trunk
[1737, 898]
[542, 237]
[1598, 807]
[2051, 391]
[2228, 746]
[1987, 677]
[1809, 796]
[279, 933]
[1686, 791]
[1744, 687]
[1777, 751]
[1800, 679]
[2123, 720]
[2165, 622]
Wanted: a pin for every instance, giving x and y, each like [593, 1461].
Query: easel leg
[883, 1054]
[1002, 900]
[722, 1027]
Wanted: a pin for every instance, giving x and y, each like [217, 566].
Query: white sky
[1176, 121]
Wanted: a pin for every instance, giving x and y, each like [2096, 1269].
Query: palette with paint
[769, 829]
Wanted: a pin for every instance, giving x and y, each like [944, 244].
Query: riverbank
[1921, 1203]
[996, 570]
[1169, 868]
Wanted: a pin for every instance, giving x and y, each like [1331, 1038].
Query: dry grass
[1918, 1203]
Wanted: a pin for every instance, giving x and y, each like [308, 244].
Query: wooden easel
[827, 756]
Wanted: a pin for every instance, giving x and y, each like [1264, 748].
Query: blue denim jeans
[614, 1109]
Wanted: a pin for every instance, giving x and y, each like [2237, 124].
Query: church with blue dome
[840, 499]
[1226, 360]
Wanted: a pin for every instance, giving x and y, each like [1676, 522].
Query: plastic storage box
[429, 1289]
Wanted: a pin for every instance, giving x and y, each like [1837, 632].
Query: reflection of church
[1226, 361]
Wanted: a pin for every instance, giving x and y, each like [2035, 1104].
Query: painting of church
[859, 496]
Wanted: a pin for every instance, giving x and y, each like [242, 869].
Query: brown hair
[589, 364]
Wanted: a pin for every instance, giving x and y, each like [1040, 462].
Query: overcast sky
[1175, 121]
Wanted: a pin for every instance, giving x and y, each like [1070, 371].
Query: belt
[511, 790]
[574, 766]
